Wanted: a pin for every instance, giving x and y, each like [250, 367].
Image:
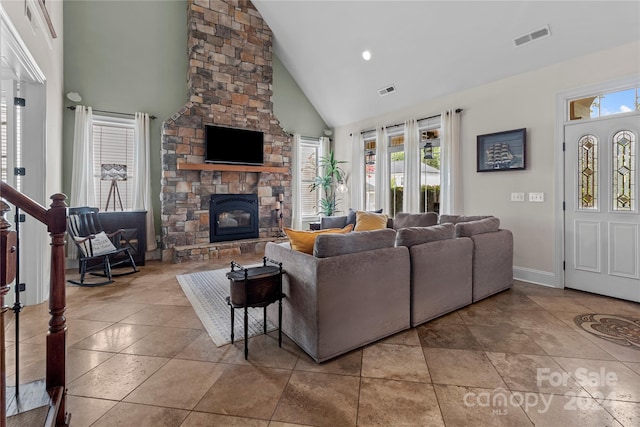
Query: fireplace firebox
[233, 217]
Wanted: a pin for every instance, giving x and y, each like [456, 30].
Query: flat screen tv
[233, 146]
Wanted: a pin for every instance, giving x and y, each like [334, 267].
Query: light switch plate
[517, 197]
[536, 197]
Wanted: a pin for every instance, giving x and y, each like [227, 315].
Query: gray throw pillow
[454, 219]
[351, 216]
[404, 220]
[412, 236]
[487, 225]
[329, 245]
[333, 222]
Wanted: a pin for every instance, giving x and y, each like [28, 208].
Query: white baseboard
[538, 277]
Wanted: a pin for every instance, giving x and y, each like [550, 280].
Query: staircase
[40, 403]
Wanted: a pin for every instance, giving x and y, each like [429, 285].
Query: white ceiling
[429, 48]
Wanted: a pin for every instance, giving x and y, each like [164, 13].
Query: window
[369, 173]
[430, 168]
[10, 135]
[623, 171]
[605, 104]
[588, 172]
[396, 171]
[310, 153]
[113, 167]
[429, 143]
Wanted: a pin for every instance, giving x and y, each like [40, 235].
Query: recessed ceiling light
[366, 55]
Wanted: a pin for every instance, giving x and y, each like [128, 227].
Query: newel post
[57, 336]
[7, 274]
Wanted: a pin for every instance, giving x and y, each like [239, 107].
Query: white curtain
[382, 171]
[450, 167]
[356, 184]
[142, 175]
[411, 198]
[82, 177]
[296, 184]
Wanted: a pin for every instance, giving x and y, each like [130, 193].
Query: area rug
[623, 330]
[206, 292]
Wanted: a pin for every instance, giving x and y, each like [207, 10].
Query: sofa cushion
[333, 222]
[454, 219]
[487, 225]
[329, 245]
[303, 240]
[351, 215]
[411, 236]
[403, 220]
[366, 221]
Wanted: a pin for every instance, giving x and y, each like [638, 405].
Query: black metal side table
[255, 287]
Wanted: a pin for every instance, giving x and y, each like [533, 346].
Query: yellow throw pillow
[303, 241]
[366, 221]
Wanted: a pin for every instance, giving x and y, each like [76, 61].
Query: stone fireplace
[229, 84]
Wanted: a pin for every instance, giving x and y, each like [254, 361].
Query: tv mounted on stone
[233, 146]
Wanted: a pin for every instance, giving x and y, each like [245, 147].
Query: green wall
[130, 56]
[291, 106]
[126, 56]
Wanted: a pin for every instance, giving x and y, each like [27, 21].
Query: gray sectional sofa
[363, 286]
[353, 290]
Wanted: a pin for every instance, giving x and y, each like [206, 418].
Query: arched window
[588, 172]
[623, 171]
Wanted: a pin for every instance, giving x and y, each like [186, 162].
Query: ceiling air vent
[386, 90]
[534, 35]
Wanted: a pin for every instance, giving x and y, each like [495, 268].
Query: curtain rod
[73, 108]
[458, 110]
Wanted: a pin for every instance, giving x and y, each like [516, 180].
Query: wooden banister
[28, 205]
[55, 219]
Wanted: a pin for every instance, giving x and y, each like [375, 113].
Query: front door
[602, 222]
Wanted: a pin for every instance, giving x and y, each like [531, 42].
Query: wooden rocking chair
[96, 249]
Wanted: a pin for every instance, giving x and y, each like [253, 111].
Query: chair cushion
[468, 229]
[366, 221]
[403, 220]
[351, 216]
[303, 240]
[329, 245]
[412, 236]
[101, 244]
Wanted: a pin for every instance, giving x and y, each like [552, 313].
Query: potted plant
[329, 178]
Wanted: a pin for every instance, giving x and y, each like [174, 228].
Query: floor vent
[386, 90]
[534, 35]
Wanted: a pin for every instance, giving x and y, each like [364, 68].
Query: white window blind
[113, 141]
[309, 156]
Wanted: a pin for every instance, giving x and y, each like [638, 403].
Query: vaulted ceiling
[428, 49]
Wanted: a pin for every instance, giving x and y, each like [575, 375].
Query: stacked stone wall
[229, 84]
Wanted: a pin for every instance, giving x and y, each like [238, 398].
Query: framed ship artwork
[502, 151]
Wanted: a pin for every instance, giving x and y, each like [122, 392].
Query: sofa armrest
[492, 263]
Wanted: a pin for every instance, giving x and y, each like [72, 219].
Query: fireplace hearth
[233, 217]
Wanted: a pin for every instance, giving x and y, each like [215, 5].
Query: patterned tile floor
[138, 356]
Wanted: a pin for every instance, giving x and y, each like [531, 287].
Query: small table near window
[314, 226]
[135, 230]
[255, 287]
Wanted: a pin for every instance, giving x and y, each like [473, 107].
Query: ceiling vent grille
[386, 90]
[534, 35]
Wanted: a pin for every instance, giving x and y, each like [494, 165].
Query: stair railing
[55, 218]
